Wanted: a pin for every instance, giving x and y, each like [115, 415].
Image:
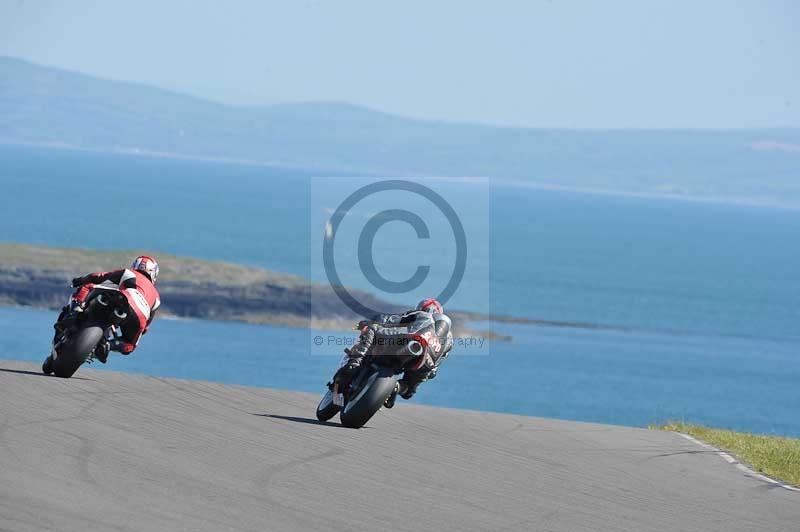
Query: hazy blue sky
[560, 63]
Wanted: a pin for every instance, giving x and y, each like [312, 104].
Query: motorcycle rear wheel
[76, 350]
[369, 399]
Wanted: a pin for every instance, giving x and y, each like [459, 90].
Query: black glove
[352, 365]
[348, 371]
[77, 281]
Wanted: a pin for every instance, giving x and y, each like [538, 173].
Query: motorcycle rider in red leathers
[137, 284]
[388, 325]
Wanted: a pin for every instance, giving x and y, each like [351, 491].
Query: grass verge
[774, 456]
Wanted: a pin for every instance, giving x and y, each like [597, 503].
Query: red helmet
[430, 305]
[146, 265]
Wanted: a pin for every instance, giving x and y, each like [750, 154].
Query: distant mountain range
[42, 105]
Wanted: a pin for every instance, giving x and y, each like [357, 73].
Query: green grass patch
[774, 456]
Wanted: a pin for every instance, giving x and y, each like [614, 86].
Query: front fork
[335, 385]
[351, 387]
[336, 397]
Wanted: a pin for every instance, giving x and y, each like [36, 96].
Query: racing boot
[101, 351]
[407, 391]
[410, 382]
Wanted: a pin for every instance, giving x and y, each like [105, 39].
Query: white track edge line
[740, 466]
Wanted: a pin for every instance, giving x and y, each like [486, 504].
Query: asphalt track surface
[115, 451]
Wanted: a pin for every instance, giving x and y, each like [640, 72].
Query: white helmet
[430, 305]
[146, 265]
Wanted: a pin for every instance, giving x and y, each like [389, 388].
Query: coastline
[38, 277]
[504, 182]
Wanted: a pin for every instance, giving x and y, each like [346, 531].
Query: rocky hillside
[39, 276]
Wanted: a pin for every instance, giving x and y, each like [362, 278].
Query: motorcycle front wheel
[326, 409]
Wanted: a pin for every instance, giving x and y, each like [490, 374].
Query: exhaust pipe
[415, 348]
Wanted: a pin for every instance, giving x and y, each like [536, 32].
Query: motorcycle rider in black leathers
[388, 325]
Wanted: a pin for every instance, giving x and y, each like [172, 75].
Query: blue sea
[695, 303]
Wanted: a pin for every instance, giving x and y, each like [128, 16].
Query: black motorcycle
[80, 333]
[359, 399]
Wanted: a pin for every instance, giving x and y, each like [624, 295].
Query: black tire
[326, 409]
[76, 350]
[369, 399]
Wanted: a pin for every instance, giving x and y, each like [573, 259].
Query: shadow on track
[307, 420]
[37, 374]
